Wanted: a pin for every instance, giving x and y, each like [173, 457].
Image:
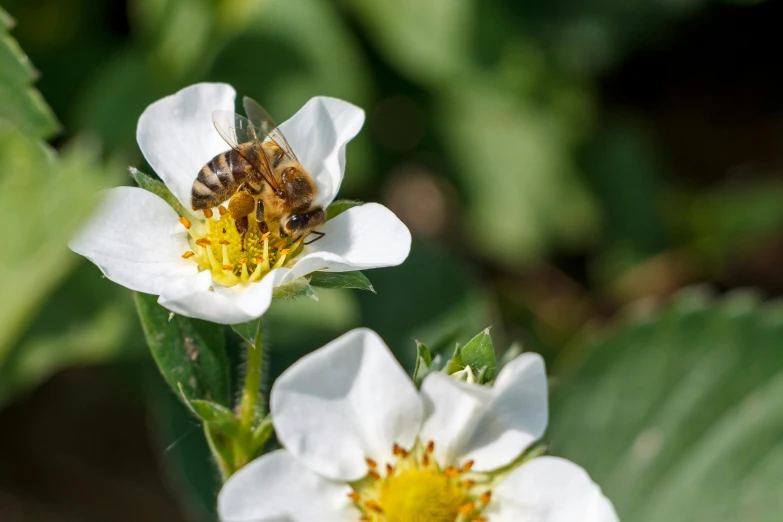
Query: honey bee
[259, 176]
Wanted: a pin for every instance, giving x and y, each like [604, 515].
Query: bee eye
[296, 221]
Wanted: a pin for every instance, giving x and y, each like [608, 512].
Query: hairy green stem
[253, 372]
[248, 404]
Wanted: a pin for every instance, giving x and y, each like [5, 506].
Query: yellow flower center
[420, 495]
[218, 246]
[417, 489]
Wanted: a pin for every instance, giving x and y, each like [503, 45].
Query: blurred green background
[599, 180]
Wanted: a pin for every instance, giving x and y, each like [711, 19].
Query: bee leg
[250, 190]
[320, 235]
[242, 226]
[262, 226]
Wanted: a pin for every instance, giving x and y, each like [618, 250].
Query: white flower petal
[177, 136]
[368, 236]
[277, 488]
[318, 134]
[549, 489]
[136, 240]
[491, 426]
[344, 402]
[200, 297]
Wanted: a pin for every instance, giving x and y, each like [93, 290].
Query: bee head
[297, 225]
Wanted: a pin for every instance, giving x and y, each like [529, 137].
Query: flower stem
[249, 413]
[253, 372]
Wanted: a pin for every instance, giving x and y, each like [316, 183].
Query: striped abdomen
[221, 177]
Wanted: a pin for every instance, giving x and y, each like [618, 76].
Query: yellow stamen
[281, 259]
[418, 488]
[213, 262]
[240, 258]
[245, 276]
[371, 504]
[467, 508]
[265, 262]
[451, 471]
[188, 254]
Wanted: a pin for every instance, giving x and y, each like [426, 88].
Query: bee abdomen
[217, 180]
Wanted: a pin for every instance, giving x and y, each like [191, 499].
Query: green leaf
[425, 40]
[71, 333]
[341, 280]
[423, 363]
[479, 354]
[35, 256]
[518, 172]
[189, 352]
[248, 331]
[20, 103]
[691, 394]
[338, 207]
[216, 415]
[158, 188]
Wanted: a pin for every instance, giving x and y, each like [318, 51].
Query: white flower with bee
[256, 196]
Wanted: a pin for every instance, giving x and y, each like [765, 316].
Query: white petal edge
[490, 426]
[198, 296]
[549, 489]
[344, 402]
[136, 240]
[367, 236]
[277, 488]
[177, 136]
[318, 134]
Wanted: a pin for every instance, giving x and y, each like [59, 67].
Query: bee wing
[237, 130]
[266, 127]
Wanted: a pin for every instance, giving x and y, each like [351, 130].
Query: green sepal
[341, 280]
[219, 431]
[423, 363]
[261, 435]
[248, 331]
[158, 188]
[454, 364]
[216, 415]
[222, 448]
[299, 287]
[338, 207]
[479, 354]
[190, 353]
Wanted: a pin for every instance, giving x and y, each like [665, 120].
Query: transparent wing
[237, 130]
[266, 127]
